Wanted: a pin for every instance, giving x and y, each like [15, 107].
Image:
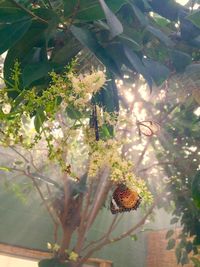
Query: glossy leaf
[89, 40]
[26, 51]
[138, 65]
[158, 71]
[184, 258]
[169, 234]
[114, 24]
[178, 253]
[12, 32]
[12, 15]
[140, 15]
[39, 119]
[65, 53]
[73, 113]
[174, 220]
[196, 189]
[160, 35]
[108, 97]
[180, 60]
[89, 10]
[130, 42]
[35, 71]
[171, 244]
[195, 18]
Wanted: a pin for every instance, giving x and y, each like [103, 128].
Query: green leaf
[158, 71]
[114, 24]
[89, 40]
[138, 65]
[178, 253]
[3, 168]
[195, 18]
[39, 119]
[25, 50]
[171, 244]
[52, 21]
[196, 189]
[12, 15]
[35, 71]
[107, 97]
[174, 220]
[180, 60]
[73, 113]
[89, 10]
[184, 258]
[160, 35]
[106, 131]
[134, 237]
[195, 261]
[169, 234]
[141, 16]
[64, 54]
[130, 42]
[189, 247]
[10, 33]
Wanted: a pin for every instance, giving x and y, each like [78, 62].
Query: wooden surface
[25, 253]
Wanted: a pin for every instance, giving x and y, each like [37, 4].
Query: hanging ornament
[148, 128]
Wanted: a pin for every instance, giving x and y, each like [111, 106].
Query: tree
[124, 38]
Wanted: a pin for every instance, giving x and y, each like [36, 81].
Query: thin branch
[41, 195]
[49, 3]
[139, 161]
[126, 234]
[106, 235]
[155, 164]
[29, 12]
[21, 155]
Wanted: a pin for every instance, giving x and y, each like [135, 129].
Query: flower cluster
[121, 170]
[84, 86]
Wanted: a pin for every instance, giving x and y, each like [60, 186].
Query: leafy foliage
[45, 36]
[152, 38]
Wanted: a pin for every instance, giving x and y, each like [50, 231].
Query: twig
[155, 164]
[49, 3]
[16, 151]
[126, 234]
[29, 12]
[106, 235]
[143, 153]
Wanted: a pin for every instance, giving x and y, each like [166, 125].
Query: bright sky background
[182, 2]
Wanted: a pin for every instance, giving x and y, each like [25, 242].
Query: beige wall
[7, 261]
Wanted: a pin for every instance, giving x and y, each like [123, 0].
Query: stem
[41, 195]
[154, 165]
[100, 195]
[107, 241]
[106, 235]
[29, 12]
[67, 234]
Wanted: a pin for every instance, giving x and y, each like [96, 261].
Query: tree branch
[29, 12]
[126, 234]
[155, 164]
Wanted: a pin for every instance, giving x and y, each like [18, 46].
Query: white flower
[6, 108]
